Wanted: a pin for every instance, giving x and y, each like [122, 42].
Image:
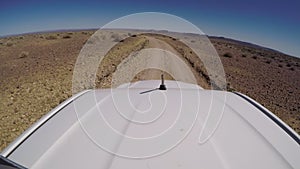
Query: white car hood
[182, 127]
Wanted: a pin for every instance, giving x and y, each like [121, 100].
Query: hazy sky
[270, 23]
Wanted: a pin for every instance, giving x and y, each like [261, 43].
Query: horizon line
[95, 29]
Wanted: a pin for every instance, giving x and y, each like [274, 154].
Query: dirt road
[150, 62]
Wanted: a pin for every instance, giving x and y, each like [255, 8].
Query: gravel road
[157, 57]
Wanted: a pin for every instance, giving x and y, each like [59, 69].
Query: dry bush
[228, 55]
[51, 37]
[268, 61]
[66, 37]
[230, 88]
[116, 37]
[8, 44]
[23, 54]
[254, 57]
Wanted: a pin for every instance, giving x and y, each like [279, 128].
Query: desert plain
[37, 70]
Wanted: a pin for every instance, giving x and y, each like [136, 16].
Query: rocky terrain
[36, 74]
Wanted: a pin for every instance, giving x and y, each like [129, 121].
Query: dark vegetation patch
[67, 37]
[227, 55]
[268, 61]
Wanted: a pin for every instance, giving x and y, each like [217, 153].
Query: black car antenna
[162, 86]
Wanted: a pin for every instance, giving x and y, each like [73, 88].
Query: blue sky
[270, 23]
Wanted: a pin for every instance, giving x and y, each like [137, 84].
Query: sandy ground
[271, 78]
[36, 74]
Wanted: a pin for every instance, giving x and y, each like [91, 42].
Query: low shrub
[227, 55]
[66, 37]
[51, 37]
[268, 61]
[116, 37]
[23, 54]
[8, 44]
